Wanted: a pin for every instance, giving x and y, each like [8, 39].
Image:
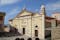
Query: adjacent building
[2, 16]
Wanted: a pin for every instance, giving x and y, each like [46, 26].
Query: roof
[2, 13]
[13, 32]
[47, 17]
[24, 11]
[10, 19]
[31, 14]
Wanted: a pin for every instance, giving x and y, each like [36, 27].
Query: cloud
[53, 6]
[5, 2]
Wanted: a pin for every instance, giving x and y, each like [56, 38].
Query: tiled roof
[47, 17]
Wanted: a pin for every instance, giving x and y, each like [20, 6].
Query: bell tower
[43, 10]
[43, 15]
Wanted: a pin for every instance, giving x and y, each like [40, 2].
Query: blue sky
[13, 7]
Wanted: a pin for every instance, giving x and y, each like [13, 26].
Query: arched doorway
[22, 39]
[29, 38]
[17, 39]
[37, 39]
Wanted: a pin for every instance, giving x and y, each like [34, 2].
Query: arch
[22, 39]
[37, 39]
[29, 38]
[17, 39]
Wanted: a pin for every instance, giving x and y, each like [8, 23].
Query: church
[34, 25]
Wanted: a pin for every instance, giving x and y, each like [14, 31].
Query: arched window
[37, 39]
[36, 32]
[17, 39]
[23, 30]
[29, 38]
[22, 39]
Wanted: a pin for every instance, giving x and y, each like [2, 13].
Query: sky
[13, 7]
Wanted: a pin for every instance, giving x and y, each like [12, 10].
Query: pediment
[24, 13]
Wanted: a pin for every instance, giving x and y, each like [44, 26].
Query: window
[56, 22]
[29, 38]
[36, 26]
[36, 32]
[37, 39]
[23, 30]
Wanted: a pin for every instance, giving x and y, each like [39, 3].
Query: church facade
[34, 25]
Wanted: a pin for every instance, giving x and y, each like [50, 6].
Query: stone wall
[56, 33]
[29, 22]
